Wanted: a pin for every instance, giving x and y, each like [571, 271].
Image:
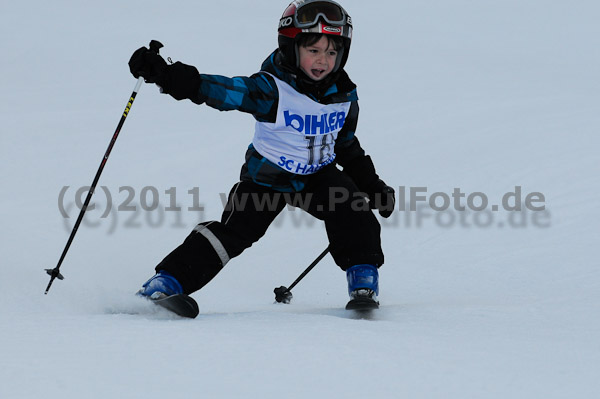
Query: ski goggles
[308, 14]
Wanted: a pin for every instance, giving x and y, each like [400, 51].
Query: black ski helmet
[314, 16]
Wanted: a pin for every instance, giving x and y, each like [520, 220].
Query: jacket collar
[335, 89]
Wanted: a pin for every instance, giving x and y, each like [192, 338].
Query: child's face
[317, 60]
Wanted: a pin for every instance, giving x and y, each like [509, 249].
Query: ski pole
[284, 294]
[55, 273]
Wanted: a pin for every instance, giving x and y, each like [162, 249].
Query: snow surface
[482, 96]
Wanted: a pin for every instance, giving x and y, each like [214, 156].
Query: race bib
[302, 139]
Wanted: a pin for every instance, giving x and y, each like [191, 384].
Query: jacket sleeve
[352, 157]
[256, 95]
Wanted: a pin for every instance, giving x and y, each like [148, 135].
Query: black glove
[383, 198]
[148, 64]
[179, 80]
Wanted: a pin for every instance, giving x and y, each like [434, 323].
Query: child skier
[306, 110]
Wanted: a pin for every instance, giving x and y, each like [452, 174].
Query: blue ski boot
[164, 290]
[161, 285]
[363, 287]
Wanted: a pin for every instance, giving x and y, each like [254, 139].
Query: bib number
[320, 148]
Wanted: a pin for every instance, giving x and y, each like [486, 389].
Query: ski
[180, 304]
[362, 304]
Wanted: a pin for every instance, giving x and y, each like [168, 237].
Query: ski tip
[180, 304]
[362, 305]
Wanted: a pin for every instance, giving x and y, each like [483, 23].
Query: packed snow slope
[486, 97]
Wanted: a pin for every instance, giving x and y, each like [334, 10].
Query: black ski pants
[329, 195]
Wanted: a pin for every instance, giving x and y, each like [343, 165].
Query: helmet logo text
[331, 29]
[285, 22]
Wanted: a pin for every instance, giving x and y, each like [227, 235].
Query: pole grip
[138, 84]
